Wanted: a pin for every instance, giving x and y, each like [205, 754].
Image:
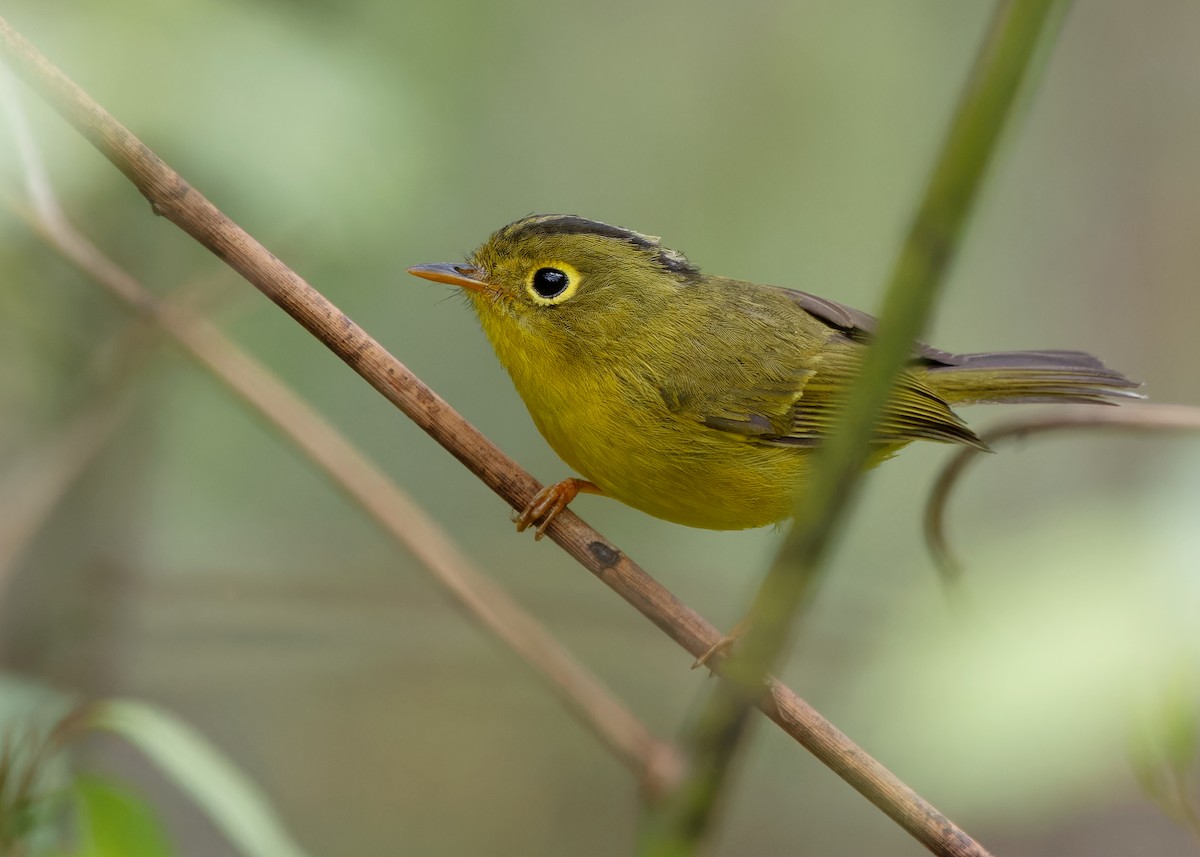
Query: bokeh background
[204, 565]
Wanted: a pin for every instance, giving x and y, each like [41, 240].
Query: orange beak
[456, 275]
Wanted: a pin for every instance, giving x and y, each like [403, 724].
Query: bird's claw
[546, 504]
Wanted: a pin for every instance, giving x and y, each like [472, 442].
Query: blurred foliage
[117, 822]
[49, 808]
[209, 780]
[33, 774]
[203, 565]
[1165, 751]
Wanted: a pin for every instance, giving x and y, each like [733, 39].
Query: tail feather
[1028, 376]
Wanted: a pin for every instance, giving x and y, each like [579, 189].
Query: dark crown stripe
[570, 224]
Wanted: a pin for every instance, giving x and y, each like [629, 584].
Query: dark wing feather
[803, 411]
[858, 325]
[914, 412]
[826, 358]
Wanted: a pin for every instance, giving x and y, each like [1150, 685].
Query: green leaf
[227, 795]
[117, 822]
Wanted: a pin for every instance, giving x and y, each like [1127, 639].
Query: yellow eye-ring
[552, 283]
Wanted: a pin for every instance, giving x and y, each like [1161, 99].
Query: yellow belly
[665, 464]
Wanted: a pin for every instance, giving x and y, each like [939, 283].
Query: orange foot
[551, 500]
[721, 647]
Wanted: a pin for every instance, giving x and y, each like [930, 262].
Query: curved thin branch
[172, 197]
[1142, 418]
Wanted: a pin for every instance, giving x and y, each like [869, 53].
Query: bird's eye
[549, 282]
[552, 283]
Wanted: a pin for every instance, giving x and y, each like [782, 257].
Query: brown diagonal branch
[365, 484]
[172, 197]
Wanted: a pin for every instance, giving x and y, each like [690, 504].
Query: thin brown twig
[1146, 417]
[366, 485]
[172, 197]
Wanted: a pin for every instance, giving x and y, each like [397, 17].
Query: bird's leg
[721, 647]
[551, 500]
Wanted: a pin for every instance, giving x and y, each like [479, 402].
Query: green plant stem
[677, 825]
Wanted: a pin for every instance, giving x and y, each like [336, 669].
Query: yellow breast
[617, 431]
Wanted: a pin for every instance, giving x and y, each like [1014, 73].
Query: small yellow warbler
[699, 398]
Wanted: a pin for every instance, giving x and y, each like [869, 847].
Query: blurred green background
[204, 565]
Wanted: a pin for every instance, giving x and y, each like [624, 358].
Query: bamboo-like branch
[172, 197]
[398, 515]
[1002, 64]
[1142, 418]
